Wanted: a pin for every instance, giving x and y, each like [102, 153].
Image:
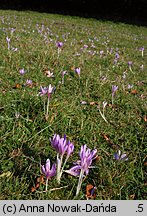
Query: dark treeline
[118, 10]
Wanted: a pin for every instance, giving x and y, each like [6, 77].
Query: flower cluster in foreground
[65, 148]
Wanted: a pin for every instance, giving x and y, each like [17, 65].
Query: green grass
[25, 140]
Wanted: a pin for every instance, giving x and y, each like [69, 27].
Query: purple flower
[8, 39]
[46, 90]
[101, 52]
[50, 90]
[115, 61]
[141, 49]
[85, 46]
[114, 89]
[70, 148]
[49, 74]
[8, 42]
[86, 158]
[83, 102]
[47, 170]
[82, 166]
[29, 82]
[63, 73]
[120, 156]
[129, 63]
[59, 44]
[78, 71]
[22, 71]
[117, 56]
[62, 145]
[43, 91]
[74, 171]
[14, 49]
[130, 86]
[12, 30]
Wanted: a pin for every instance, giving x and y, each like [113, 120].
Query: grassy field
[107, 54]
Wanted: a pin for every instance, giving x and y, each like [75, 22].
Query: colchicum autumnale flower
[46, 91]
[102, 112]
[48, 171]
[22, 71]
[82, 166]
[78, 71]
[8, 42]
[62, 146]
[114, 89]
[59, 45]
[120, 156]
[130, 65]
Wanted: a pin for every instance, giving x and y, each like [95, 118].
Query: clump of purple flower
[82, 166]
[62, 147]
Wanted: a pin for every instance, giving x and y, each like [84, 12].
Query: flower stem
[47, 108]
[46, 184]
[79, 182]
[64, 164]
[103, 116]
[59, 163]
[112, 100]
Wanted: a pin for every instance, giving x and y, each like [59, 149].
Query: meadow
[85, 78]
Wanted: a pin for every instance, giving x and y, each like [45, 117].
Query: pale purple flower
[50, 90]
[62, 145]
[83, 102]
[70, 148]
[86, 158]
[111, 50]
[120, 156]
[114, 89]
[22, 71]
[82, 166]
[8, 39]
[47, 170]
[29, 82]
[12, 30]
[63, 73]
[46, 90]
[85, 46]
[142, 50]
[43, 91]
[78, 71]
[115, 61]
[59, 44]
[49, 74]
[129, 63]
[101, 52]
[117, 56]
[130, 86]
[74, 171]
[8, 42]
[14, 49]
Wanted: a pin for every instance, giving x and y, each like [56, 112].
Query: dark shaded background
[129, 11]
